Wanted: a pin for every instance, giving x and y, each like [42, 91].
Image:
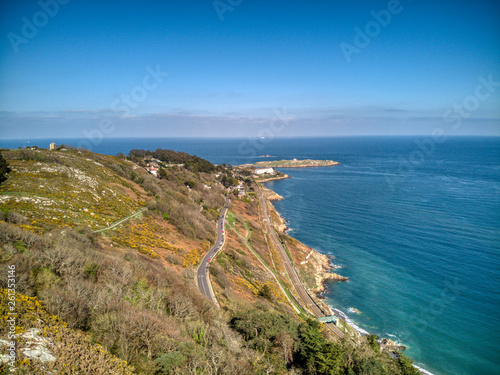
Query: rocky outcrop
[323, 271]
[278, 177]
[270, 195]
[33, 346]
[388, 344]
[281, 227]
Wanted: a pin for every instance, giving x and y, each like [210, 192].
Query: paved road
[202, 274]
[292, 273]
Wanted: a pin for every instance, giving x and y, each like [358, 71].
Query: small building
[259, 171]
[152, 170]
[241, 189]
[329, 319]
[52, 146]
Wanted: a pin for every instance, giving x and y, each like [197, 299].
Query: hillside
[125, 299]
[59, 189]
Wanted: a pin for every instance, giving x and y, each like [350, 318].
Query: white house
[152, 170]
[241, 189]
[259, 171]
[52, 146]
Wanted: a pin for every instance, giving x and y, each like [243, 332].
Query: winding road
[203, 275]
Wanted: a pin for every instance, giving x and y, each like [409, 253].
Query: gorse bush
[72, 352]
[134, 307]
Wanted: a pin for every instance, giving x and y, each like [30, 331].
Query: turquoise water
[422, 254]
[416, 233]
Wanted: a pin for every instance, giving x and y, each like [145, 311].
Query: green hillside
[67, 189]
[125, 299]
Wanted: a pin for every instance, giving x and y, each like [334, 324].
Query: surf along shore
[323, 264]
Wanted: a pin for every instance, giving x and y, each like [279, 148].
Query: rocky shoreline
[323, 267]
[284, 177]
[324, 273]
[322, 263]
[296, 163]
[271, 195]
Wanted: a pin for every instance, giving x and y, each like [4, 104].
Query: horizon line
[257, 137]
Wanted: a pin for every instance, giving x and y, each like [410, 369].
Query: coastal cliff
[270, 195]
[323, 271]
[135, 287]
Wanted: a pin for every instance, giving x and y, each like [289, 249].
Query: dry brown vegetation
[129, 293]
[132, 305]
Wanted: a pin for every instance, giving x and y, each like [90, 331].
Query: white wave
[357, 328]
[342, 315]
[423, 371]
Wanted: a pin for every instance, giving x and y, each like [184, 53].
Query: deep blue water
[418, 234]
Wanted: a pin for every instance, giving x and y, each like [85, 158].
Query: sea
[413, 222]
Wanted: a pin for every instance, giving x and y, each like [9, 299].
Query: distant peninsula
[294, 163]
[264, 171]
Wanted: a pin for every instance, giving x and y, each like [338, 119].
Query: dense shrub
[4, 169]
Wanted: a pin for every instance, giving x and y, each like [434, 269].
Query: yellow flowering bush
[74, 353]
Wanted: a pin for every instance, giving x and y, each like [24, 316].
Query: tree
[406, 365]
[266, 292]
[4, 169]
[284, 343]
[167, 362]
[372, 341]
[318, 356]
[227, 179]
[162, 174]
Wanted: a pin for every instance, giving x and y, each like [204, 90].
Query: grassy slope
[69, 189]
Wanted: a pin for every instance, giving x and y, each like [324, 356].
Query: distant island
[295, 163]
[264, 171]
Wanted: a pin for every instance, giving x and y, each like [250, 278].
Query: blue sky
[240, 68]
